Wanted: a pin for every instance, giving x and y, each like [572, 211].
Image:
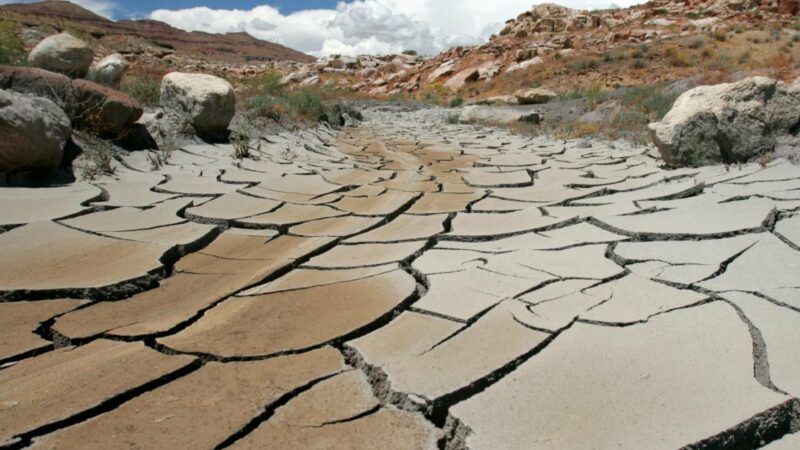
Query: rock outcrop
[498, 115]
[729, 122]
[534, 96]
[62, 53]
[34, 131]
[90, 106]
[109, 70]
[206, 101]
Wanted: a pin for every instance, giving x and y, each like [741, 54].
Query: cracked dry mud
[404, 284]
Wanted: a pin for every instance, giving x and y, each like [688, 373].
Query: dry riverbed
[404, 284]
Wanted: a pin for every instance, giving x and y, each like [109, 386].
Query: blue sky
[144, 7]
[350, 27]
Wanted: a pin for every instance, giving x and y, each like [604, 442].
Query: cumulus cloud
[366, 26]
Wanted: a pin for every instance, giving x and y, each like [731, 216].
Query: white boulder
[109, 70]
[525, 64]
[729, 122]
[62, 53]
[34, 132]
[497, 115]
[206, 101]
[534, 96]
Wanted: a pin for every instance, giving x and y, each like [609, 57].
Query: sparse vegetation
[434, 95]
[270, 99]
[595, 94]
[144, 87]
[97, 157]
[638, 64]
[456, 102]
[697, 43]
[452, 119]
[410, 52]
[584, 64]
[161, 156]
[12, 50]
[241, 142]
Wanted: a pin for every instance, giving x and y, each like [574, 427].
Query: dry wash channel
[405, 284]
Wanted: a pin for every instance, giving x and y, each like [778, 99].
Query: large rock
[62, 53]
[109, 70]
[534, 96]
[207, 102]
[34, 131]
[525, 64]
[498, 115]
[458, 80]
[729, 122]
[91, 107]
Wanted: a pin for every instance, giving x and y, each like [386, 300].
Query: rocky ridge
[147, 42]
[545, 33]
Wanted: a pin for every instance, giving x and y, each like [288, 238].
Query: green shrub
[432, 98]
[306, 104]
[270, 84]
[452, 119]
[648, 100]
[12, 49]
[146, 88]
[410, 52]
[456, 102]
[630, 120]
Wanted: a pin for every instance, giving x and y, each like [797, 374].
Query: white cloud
[104, 8]
[366, 26]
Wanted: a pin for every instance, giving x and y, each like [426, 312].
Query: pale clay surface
[404, 284]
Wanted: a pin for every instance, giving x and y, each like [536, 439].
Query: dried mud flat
[404, 284]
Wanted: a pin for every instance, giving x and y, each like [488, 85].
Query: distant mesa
[228, 48]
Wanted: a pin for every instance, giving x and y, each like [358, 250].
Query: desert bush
[745, 57]
[721, 63]
[584, 64]
[637, 64]
[648, 100]
[456, 102]
[630, 120]
[676, 58]
[594, 93]
[241, 142]
[273, 101]
[578, 130]
[434, 94]
[410, 52]
[98, 156]
[270, 84]
[12, 49]
[697, 43]
[144, 87]
[306, 103]
[451, 119]
[721, 35]
[160, 157]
